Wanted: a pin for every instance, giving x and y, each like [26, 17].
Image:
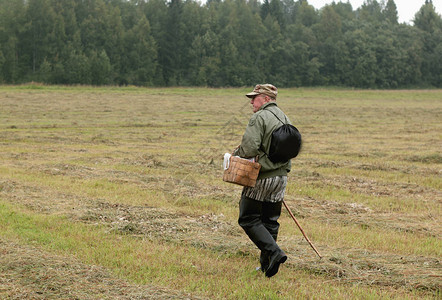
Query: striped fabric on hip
[268, 189]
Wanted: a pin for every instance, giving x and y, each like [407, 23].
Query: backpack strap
[279, 121]
[277, 116]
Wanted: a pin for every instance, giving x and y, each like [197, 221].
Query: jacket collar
[267, 104]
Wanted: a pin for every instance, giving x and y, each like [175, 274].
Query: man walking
[260, 206]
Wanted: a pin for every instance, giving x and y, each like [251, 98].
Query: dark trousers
[260, 222]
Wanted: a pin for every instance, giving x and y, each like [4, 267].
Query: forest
[219, 43]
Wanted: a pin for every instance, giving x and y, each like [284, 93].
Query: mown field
[116, 193]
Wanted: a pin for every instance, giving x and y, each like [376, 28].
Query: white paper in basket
[226, 161]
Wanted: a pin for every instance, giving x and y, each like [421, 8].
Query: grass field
[116, 193]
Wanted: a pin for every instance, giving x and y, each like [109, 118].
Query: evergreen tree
[344, 10]
[331, 48]
[140, 54]
[12, 22]
[156, 12]
[370, 11]
[362, 59]
[195, 24]
[219, 43]
[36, 39]
[170, 55]
[2, 62]
[100, 68]
[45, 72]
[390, 12]
[277, 12]
[430, 24]
[265, 9]
[427, 19]
[77, 69]
[305, 13]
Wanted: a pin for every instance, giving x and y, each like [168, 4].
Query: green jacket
[257, 138]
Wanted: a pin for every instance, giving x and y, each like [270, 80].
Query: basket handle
[236, 148]
[256, 157]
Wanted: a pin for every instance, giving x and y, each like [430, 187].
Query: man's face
[257, 102]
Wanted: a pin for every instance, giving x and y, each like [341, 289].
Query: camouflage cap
[266, 89]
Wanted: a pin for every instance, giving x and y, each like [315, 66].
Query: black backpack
[285, 144]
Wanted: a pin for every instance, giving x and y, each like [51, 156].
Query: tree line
[218, 43]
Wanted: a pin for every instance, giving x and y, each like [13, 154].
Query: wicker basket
[241, 171]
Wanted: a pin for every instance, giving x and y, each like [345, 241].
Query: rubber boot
[264, 261]
[250, 220]
[259, 235]
[270, 215]
[276, 259]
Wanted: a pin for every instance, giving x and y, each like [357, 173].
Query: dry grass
[28, 272]
[145, 164]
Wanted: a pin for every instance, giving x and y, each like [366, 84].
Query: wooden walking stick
[303, 233]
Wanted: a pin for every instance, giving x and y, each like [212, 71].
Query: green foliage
[430, 24]
[100, 68]
[218, 43]
[390, 12]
